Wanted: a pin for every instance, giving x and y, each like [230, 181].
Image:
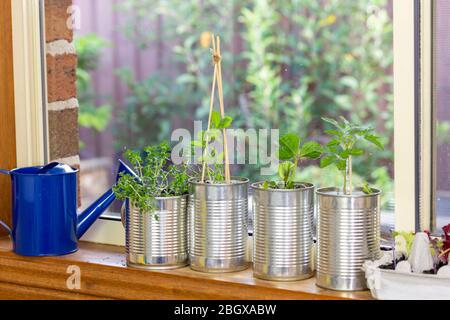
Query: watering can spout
[95, 210]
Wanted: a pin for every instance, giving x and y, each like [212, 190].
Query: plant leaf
[356, 152]
[289, 145]
[215, 119]
[334, 133]
[341, 165]
[333, 142]
[375, 140]
[327, 161]
[332, 121]
[225, 122]
[286, 171]
[311, 150]
[196, 143]
[367, 189]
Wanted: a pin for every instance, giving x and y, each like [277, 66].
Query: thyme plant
[156, 178]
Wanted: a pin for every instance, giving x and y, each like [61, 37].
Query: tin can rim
[172, 197]
[327, 192]
[257, 186]
[234, 181]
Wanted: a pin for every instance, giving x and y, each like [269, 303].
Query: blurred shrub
[286, 64]
[91, 116]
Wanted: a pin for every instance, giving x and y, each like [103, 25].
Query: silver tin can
[218, 218]
[283, 233]
[157, 243]
[348, 234]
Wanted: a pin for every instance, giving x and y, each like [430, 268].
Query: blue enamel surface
[44, 212]
[45, 219]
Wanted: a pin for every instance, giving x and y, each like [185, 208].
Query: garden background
[145, 70]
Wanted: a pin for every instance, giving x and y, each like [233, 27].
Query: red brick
[56, 18]
[61, 77]
[63, 133]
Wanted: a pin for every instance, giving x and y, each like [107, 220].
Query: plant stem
[350, 174]
[345, 181]
[297, 160]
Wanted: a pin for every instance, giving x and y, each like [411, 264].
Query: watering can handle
[5, 226]
[48, 167]
[2, 224]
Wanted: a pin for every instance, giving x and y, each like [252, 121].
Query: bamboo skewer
[222, 111]
[211, 106]
[217, 79]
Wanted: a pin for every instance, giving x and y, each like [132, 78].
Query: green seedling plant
[342, 147]
[156, 178]
[291, 153]
[212, 146]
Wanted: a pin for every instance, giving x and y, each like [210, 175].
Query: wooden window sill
[104, 275]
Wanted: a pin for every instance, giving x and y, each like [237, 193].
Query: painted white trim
[404, 115]
[106, 232]
[426, 111]
[28, 82]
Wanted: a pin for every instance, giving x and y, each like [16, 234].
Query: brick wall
[61, 84]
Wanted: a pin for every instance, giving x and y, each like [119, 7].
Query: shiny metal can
[283, 232]
[348, 234]
[157, 243]
[218, 232]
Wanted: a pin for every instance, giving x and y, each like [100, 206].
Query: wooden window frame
[104, 265]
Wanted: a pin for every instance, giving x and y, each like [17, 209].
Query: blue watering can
[45, 219]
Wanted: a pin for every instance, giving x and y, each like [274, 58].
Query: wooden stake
[222, 112]
[211, 106]
[217, 79]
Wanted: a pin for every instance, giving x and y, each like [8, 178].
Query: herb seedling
[156, 178]
[292, 153]
[342, 147]
[211, 142]
[217, 125]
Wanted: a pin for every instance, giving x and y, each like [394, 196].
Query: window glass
[442, 112]
[145, 70]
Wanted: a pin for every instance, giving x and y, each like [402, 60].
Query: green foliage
[149, 108]
[157, 178]
[291, 153]
[406, 237]
[443, 132]
[299, 59]
[286, 171]
[210, 143]
[342, 146]
[185, 34]
[91, 115]
[331, 176]
[263, 56]
[367, 189]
